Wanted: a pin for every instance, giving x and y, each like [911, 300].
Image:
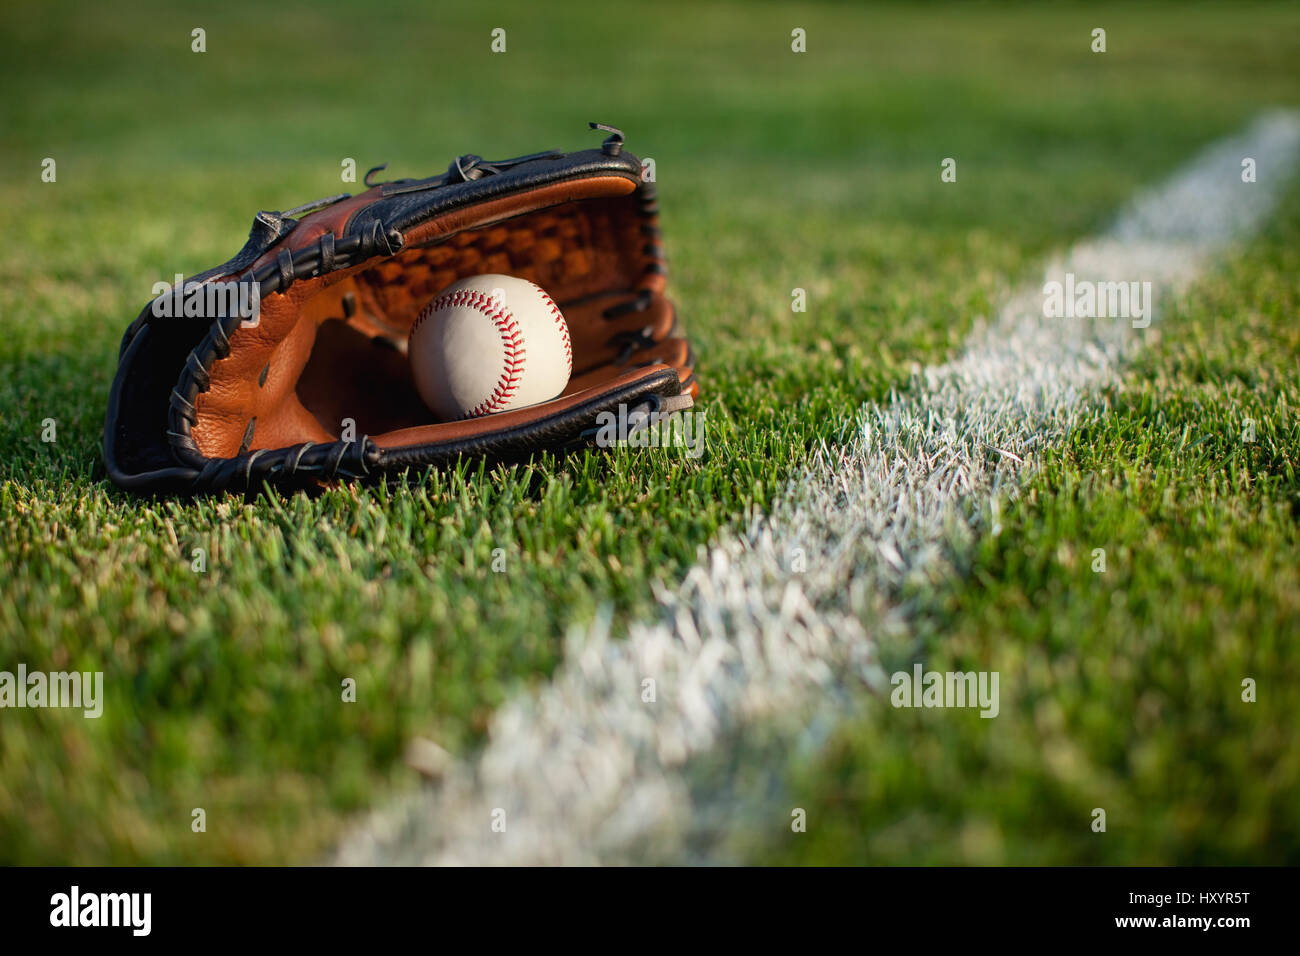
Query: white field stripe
[750, 658]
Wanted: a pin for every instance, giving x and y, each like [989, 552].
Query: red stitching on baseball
[564, 329]
[510, 338]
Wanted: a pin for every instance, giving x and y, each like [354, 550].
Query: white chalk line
[750, 658]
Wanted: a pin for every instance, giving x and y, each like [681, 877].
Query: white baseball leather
[489, 344]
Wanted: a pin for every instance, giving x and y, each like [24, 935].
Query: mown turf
[818, 171]
[1123, 689]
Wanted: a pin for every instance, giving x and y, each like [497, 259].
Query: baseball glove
[294, 372]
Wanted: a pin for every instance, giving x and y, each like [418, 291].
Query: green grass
[1120, 690]
[776, 171]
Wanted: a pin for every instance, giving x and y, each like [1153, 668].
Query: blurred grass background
[776, 171]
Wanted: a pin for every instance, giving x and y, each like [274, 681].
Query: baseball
[488, 344]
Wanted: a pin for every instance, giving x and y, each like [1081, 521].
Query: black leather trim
[562, 429]
[128, 450]
[405, 210]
